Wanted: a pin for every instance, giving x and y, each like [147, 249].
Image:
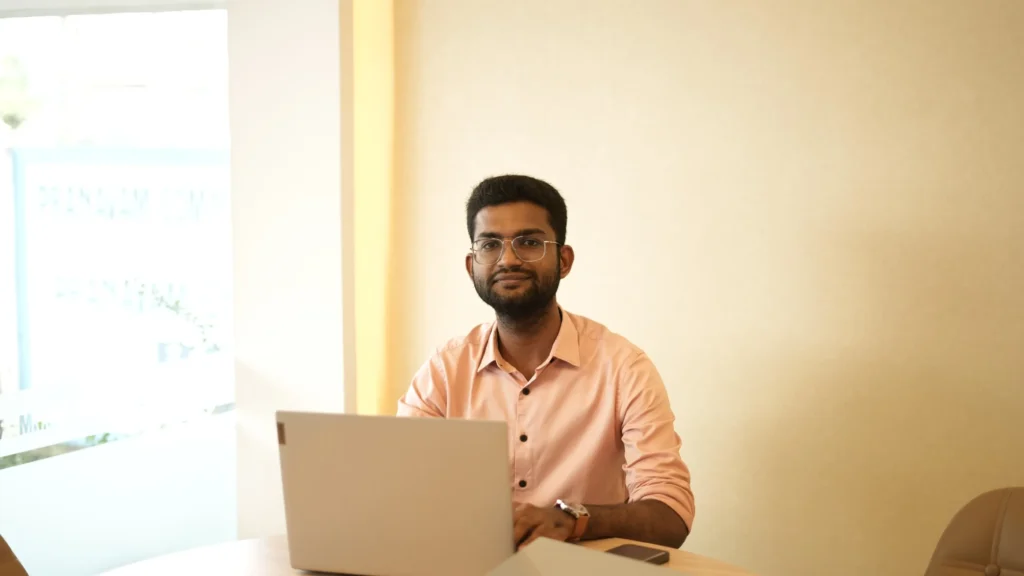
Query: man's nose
[508, 255]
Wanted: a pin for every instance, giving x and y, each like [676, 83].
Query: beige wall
[811, 215]
[291, 231]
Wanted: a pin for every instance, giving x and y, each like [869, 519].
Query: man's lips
[511, 277]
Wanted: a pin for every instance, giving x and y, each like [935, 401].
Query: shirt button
[522, 438]
[526, 391]
[522, 483]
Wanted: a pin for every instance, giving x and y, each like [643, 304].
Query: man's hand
[531, 522]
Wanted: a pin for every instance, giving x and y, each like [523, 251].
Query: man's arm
[427, 396]
[647, 521]
[661, 505]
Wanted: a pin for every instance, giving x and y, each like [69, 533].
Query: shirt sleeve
[427, 395]
[654, 469]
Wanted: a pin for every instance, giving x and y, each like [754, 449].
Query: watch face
[576, 510]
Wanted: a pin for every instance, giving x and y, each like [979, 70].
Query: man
[591, 441]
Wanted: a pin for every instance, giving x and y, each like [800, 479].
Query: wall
[289, 225]
[103, 507]
[373, 138]
[809, 214]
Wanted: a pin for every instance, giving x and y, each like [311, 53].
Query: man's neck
[526, 343]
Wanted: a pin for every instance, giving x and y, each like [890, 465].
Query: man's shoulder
[626, 361]
[471, 343]
[598, 338]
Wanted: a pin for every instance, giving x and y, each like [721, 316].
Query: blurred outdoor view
[115, 253]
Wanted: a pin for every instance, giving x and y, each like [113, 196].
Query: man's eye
[532, 242]
[490, 245]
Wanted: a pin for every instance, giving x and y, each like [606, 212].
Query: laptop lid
[392, 496]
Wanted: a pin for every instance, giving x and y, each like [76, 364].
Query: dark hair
[515, 188]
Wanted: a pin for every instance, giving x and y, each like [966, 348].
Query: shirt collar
[565, 348]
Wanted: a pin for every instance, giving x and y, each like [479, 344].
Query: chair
[985, 537]
[9, 564]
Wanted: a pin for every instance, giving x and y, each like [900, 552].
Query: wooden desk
[269, 557]
[9, 564]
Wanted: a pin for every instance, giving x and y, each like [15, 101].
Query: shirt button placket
[524, 464]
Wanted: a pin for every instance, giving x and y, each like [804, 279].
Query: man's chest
[558, 408]
[564, 431]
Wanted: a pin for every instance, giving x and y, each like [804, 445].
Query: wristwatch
[580, 513]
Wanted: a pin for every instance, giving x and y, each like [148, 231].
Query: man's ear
[469, 265]
[566, 257]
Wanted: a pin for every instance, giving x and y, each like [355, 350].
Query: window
[115, 253]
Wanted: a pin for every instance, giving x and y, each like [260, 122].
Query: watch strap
[581, 527]
[581, 515]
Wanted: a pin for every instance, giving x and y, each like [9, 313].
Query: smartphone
[642, 553]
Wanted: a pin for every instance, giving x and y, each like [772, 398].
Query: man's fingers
[542, 530]
[522, 527]
[533, 536]
[529, 537]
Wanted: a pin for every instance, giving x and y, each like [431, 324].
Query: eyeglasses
[487, 251]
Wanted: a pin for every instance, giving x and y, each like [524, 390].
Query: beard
[522, 306]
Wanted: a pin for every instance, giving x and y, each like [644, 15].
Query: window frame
[29, 8]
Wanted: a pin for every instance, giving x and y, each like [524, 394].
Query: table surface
[269, 557]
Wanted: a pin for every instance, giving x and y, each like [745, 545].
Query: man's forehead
[508, 219]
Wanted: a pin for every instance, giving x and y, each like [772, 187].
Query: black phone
[642, 553]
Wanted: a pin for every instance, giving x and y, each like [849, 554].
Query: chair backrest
[9, 564]
[985, 537]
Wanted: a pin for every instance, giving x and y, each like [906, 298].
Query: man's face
[514, 288]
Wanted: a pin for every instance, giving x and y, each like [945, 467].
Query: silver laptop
[389, 496]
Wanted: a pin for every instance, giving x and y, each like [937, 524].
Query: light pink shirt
[592, 426]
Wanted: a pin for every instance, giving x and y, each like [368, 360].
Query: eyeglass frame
[510, 242]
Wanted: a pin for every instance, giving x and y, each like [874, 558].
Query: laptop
[391, 496]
